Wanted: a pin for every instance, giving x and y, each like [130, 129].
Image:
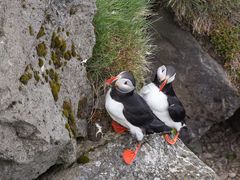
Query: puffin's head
[124, 82]
[165, 75]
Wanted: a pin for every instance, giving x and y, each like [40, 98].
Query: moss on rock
[68, 113]
[56, 60]
[83, 159]
[31, 32]
[25, 78]
[40, 62]
[36, 76]
[67, 55]
[41, 49]
[55, 88]
[27, 75]
[41, 32]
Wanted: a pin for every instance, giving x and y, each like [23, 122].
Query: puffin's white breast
[114, 109]
[158, 103]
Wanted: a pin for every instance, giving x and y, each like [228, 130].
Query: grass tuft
[121, 40]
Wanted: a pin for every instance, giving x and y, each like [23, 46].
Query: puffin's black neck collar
[166, 88]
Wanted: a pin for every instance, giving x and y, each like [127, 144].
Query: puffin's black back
[176, 109]
[138, 113]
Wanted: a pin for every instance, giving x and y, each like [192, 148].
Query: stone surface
[201, 83]
[33, 136]
[156, 160]
[221, 151]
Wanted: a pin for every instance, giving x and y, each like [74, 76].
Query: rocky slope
[156, 160]
[44, 92]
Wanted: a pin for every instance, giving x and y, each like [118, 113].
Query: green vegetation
[41, 49]
[40, 62]
[220, 21]
[68, 113]
[31, 32]
[25, 78]
[55, 88]
[121, 40]
[41, 32]
[27, 75]
[36, 76]
[67, 55]
[83, 159]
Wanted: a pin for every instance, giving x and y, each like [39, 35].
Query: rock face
[42, 44]
[155, 160]
[201, 83]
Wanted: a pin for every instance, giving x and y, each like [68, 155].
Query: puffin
[129, 109]
[161, 98]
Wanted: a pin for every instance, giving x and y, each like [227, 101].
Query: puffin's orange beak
[110, 80]
[163, 85]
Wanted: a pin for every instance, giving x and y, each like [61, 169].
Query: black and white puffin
[128, 108]
[164, 103]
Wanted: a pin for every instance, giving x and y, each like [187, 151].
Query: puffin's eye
[163, 70]
[125, 82]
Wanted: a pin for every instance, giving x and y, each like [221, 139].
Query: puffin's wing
[137, 112]
[176, 109]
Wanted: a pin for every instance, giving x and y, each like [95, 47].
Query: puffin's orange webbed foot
[118, 128]
[130, 155]
[173, 140]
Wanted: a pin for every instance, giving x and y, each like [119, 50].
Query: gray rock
[155, 160]
[201, 83]
[33, 136]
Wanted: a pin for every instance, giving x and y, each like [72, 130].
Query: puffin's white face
[161, 73]
[124, 85]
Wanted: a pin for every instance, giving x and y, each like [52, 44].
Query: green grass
[121, 40]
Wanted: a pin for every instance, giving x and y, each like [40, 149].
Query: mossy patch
[68, 113]
[41, 32]
[27, 75]
[55, 88]
[40, 62]
[56, 59]
[68, 33]
[69, 129]
[36, 76]
[83, 159]
[58, 42]
[25, 78]
[30, 29]
[41, 49]
[67, 55]
[82, 103]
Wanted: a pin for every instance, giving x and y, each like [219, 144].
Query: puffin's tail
[157, 126]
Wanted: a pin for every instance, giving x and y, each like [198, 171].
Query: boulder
[44, 92]
[155, 160]
[201, 83]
